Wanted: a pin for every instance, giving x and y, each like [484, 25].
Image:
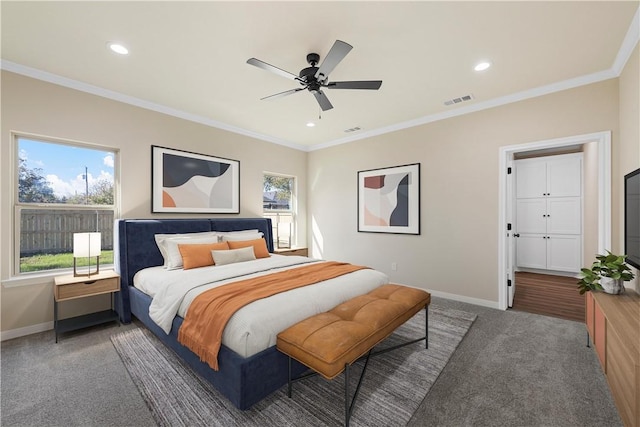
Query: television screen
[632, 217]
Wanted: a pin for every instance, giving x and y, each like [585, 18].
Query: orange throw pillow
[259, 246]
[199, 255]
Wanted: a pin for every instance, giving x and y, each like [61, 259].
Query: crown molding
[495, 102]
[137, 102]
[628, 44]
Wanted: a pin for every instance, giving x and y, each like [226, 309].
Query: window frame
[18, 207]
[292, 210]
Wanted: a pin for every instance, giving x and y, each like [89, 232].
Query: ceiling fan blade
[323, 100]
[269, 67]
[281, 94]
[337, 53]
[367, 84]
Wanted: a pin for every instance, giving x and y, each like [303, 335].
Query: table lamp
[86, 245]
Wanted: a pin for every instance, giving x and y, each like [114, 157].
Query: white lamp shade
[86, 245]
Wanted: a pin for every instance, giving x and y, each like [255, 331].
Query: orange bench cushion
[328, 341]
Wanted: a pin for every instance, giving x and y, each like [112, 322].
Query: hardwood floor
[549, 295]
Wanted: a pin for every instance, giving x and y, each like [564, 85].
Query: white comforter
[254, 327]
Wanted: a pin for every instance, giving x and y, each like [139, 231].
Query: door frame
[506, 153]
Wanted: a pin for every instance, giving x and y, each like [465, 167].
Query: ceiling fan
[315, 78]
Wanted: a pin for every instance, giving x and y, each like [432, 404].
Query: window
[278, 204]
[61, 188]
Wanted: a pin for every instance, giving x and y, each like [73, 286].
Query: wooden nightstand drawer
[296, 251]
[88, 287]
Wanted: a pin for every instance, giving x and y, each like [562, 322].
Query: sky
[64, 165]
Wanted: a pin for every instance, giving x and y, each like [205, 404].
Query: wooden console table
[613, 323]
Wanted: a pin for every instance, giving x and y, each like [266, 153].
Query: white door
[531, 179]
[564, 215]
[549, 206]
[532, 251]
[531, 215]
[511, 251]
[563, 252]
[564, 176]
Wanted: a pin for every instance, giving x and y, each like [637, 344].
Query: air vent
[357, 128]
[458, 100]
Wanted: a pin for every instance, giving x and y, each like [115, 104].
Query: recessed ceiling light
[482, 66]
[310, 124]
[118, 48]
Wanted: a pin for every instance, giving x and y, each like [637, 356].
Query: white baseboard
[462, 298]
[27, 330]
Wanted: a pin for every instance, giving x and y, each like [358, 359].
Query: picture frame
[187, 182]
[389, 200]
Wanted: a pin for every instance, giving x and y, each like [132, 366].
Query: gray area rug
[392, 389]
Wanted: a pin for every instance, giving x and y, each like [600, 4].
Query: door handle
[516, 235]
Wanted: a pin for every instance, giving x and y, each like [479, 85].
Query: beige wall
[457, 251]
[37, 107]
[627, 158]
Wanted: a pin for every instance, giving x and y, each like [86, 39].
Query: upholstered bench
[330, 342]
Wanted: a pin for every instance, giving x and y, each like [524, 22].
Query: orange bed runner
[210, 311]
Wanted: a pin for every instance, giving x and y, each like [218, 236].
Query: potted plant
[607, 273]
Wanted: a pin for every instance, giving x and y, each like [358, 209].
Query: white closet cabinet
[549, 213]
[554, 176]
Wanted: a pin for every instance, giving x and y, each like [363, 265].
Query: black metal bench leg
[588, 344]
[347, 413]
[426, 326]
[289, 380]
[348, 406]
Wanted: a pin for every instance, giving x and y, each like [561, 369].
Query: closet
[548, 213]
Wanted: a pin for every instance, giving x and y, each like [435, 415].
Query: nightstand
[69, 287]
[292, 251]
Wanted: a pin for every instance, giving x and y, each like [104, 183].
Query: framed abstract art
[389, 200]
[185, 182]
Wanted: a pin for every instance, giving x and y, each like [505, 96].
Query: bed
[244, 377]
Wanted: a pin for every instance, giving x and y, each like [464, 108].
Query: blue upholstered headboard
[135, 246]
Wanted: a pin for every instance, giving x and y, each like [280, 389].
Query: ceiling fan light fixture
[314, 78]
[118, 48]
[481, 66]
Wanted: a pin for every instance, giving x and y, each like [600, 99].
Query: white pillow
[174, 257]
[233, 255]
[161, 240]
[236, 233]
[241, 236]
[254, 230]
